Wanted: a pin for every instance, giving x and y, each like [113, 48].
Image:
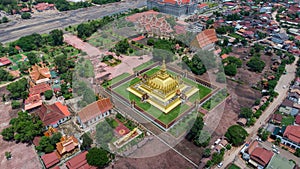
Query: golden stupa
[161, 90]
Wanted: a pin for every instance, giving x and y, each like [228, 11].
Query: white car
[220, 165]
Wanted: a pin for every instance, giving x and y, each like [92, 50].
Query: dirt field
[23, 156]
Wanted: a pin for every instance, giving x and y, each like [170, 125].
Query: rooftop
[206, 37]
[261, 156]
[66, 144]
[94, 109]
[50, 159]
[50, 114]
[39, 88]
[79, 161]
[292, 133]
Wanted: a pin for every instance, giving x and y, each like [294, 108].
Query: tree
[221, 78]
[202, 139]
[236, 135]
[32, 57]
[8, 155]
[264, 135]
[256, 65]
[104, 133]
[48, 144]
[97, 157]
[23, 128]
[18, 89]
[5, 75]
[230, 70]
[206, 153]
[26, 15]
[4, 20]
[48, 94]
[297, 153]
[122, 46]
[56, 37]
[84, 30]
[150, 42]
[197, 127]
[233, 60]
[15, 104]
[86, 141]
[246, 112]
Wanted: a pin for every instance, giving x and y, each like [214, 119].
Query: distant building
[50, 159]
[205, 40]
[39, 74]
[94, 112]
[174, 7]
[67, 145]
[4, 61]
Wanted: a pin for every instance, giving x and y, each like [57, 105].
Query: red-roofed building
[205, 40]
[297, 120]
[261, 156]
[50, 159]
[94, 112]
[39, 88]
[44, 6]
[291, 137]
[4, 61]
[53, 115]
[202, 6]
[33, 102]
[79, 162]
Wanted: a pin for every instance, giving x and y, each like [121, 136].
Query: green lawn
[237, 36]
[203, 90]
[233, 166]
[143, 66]
[115, 80]
[287, 120]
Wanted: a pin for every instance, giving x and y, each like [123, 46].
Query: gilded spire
[163, 67]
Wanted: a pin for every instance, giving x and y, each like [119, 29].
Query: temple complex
[162, 90]
[39, 74]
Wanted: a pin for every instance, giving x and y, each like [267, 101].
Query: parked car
[220, 165]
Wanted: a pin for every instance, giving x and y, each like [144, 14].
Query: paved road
[45, 24]
[284, 80]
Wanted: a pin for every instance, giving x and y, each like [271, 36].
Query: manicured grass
[237, 36]
[215, 100]
[203, 90]
[233, 166]
[287, 120]
[143, 66]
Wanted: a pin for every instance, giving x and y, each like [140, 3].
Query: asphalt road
[46, 23]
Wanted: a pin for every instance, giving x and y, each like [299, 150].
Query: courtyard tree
[86, 142]
[8, 155]
[45, 145]
[297, 153]
[236, 135]
[206, 153]
[33, 58]
[233, 60]
[256, 64]
[122, 46]
[48, 94]
[97, 157]
[5, 75]
[8, 134]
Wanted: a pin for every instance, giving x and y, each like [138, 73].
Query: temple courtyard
[161, 95]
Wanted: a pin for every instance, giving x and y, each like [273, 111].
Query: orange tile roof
[39, 88]
[67, 144]
[50, 159]
[50, 131]
[79, 162]
[4, 61]
[95, 109]
[224, 56]
[206, 37]
[292, 133]
[51, 114]
[252, 146]
[261, 156]
[33, 101]
[39, 72]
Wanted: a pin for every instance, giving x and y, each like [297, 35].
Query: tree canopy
[246, 112]
[86, 141]
[56, 37]
[236, 135]
[23, 128]
[256, 64]
[48, 94]
[230, 70]
[18, 89]
[5, 76]
[48, 144]
[195, 64]
[97, 157]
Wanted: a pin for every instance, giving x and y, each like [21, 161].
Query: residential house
[50, 159]
[291, 137]
[4, 61]
[205, 40]
[276, 118]
[79, 161]
[202, 7]
[94, 112]
[294, 96]
[53, 115]
[279, 38]
[260, 157]
[40, 7]
[39, 89]
[39, 74]
[67, 145]
[242, 121]
[278, 162]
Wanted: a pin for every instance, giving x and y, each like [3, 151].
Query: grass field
[233, 166]
[287, 120]
[115, 80]
[143, 66]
